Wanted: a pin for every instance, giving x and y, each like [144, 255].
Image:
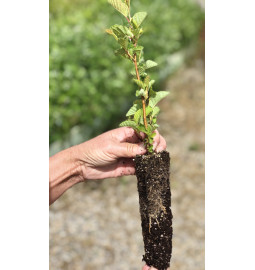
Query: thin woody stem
[137, 72]
[129, 21]
[130, 56]
[143, 99]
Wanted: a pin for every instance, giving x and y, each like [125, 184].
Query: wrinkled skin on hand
[111, 153]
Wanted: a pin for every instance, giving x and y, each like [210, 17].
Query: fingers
[130, 142]
[162, 145]
[156, 140]
[146, 267]
[125, 167]
[130, 150]
[126, 134]
[159, 143]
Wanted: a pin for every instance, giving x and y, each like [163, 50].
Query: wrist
[76, 164]
[80, 159]
[64, 171]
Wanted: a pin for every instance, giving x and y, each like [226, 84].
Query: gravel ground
[96, 225]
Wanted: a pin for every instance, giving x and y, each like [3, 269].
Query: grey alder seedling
[142, 116]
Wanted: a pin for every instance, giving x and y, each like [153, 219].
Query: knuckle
[130, 148]
[128, 131]
[111, 135]
[108, 148]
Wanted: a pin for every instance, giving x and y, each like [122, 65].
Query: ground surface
[97, 225]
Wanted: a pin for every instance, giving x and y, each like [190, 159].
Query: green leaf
[120, 6]
[130, 50]
[155, 111]
[141, 68]
[150, 64]
[123, 42]
[135, 25]
[127, 2]
[128, 123]
[141, 128]
[117, 31]
[139, 103]
[140, 93]
[148, 110]
[121, 52]
[139, 83]
[128, 32]
[136, 32]
[150, 149]
[147, 80]
[110, 32]
[153, 134]
[138, 48]
[143, 74]
[151, 83]
[150, 140]
[121, 31]
[132, 110]
[147, 131]
[139, 17]
[157, 97]
[138, 115]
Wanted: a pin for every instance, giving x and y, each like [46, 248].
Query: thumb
[146, 267]
[130, 150]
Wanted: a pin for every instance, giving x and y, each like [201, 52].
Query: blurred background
[96, 225]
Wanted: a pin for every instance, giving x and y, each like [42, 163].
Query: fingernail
[159, 149]
[142, 147]
[142, 134]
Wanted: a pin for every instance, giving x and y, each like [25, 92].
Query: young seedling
[152, 170]
[142, 116]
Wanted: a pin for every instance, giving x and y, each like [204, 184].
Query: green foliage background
[89, 86]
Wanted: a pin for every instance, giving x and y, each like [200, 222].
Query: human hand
[110, 154]
[146, 267]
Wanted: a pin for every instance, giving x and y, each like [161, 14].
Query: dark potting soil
[153, 184]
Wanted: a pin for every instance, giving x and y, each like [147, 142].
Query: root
[150, 223]
[157, 222]
[162, 207]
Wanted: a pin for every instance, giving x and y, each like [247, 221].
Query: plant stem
[143, 99]
[129, 55]
[137, 73]
[129, 21]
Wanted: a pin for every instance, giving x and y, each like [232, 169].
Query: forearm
[64, 172]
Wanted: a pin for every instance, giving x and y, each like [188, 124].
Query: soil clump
[153, 186]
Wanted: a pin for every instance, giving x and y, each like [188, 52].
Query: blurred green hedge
[89, 86]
